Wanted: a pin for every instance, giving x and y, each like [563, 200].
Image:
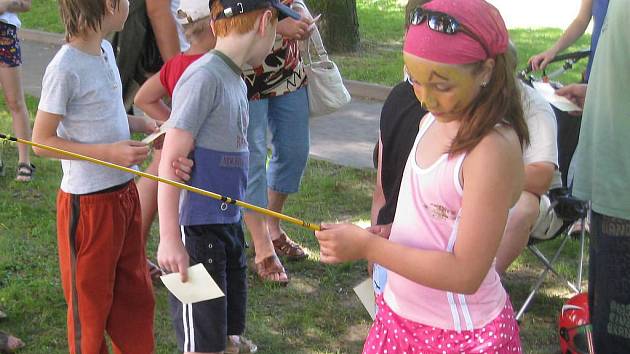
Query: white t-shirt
[10, 18]
[183, 42]
[86, 90]
[543, 132]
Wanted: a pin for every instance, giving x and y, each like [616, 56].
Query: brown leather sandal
[268, 267]
[285, 247]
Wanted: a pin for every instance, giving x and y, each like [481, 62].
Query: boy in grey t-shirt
[101, 251]
[209, 120]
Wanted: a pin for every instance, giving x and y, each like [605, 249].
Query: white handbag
[326, 92]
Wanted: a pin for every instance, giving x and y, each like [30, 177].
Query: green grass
[43, 16]
[317, 313]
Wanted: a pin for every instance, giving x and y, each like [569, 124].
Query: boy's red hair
[240, 23]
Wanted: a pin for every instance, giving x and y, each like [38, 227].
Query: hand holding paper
[199, 287]
[549, 94]
[365, 293]
[151, 137]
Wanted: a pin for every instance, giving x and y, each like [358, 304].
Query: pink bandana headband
[482, 20]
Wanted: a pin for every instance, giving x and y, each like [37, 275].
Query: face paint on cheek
[428, 77]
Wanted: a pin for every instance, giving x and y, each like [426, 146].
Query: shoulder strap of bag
[316, 40]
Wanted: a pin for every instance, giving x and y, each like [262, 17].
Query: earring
[484, 84]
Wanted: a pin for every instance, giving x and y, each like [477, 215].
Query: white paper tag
[549, 94]
[151, 137]
[365, 292]
[199, 287]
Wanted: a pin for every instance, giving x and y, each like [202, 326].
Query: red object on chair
[574, 326]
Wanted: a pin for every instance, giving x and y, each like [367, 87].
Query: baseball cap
[233, 8]
[190, 11]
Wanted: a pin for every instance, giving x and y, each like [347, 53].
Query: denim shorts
[10, 53]
[287, 118]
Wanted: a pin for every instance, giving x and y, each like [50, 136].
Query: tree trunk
[339, 24]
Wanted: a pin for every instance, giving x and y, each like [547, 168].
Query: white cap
[190, 11]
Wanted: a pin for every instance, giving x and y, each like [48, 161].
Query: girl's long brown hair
[498, 103]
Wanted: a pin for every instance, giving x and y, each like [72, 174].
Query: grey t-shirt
[210, 102]
[86, 90]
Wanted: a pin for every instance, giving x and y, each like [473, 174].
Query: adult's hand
[576, 93]
[296, 29]
[541, 60]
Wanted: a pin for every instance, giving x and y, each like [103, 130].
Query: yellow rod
[224, 199]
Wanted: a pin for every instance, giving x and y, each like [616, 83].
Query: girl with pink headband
[462, 176]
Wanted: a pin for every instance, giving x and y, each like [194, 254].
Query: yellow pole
[224, 199]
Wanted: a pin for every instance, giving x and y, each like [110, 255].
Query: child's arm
[125, 153]
[149, 99]
[172, 255]
[493, 175]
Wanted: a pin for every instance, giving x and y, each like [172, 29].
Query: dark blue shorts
[204, 326]
[10, 53]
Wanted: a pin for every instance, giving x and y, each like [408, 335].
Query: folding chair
[562, 210]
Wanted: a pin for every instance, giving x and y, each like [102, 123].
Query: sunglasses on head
[443, 23]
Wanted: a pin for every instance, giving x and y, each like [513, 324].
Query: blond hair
[193, 30]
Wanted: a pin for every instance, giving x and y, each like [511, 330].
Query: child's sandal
[9, 343]
[25, 172]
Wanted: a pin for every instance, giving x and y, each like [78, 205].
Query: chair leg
[543, 275]
[549, 264]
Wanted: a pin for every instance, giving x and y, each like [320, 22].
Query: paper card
[151, 137]
[199, 287]
[365, 292]
[549, 94]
